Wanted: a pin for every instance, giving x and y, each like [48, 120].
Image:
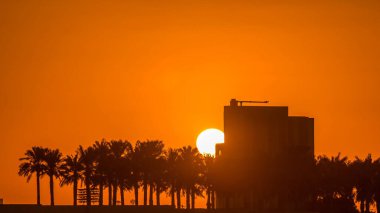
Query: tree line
[119, 166]
[339, 183]
[336, 183]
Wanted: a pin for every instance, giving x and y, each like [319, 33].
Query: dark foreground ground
[113, 209]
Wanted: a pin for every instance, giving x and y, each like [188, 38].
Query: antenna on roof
[235, 102]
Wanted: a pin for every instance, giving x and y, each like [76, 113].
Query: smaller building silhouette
[266, 161]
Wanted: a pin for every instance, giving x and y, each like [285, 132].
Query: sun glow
[207, 139]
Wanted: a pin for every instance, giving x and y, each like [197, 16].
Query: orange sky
[72, 73]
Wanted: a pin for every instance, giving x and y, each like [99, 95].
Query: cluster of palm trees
[119, 167]
[340, 182]
[337, 184]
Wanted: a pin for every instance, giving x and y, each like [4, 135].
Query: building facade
[266, 161]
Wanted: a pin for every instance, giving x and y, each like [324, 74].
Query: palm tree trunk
[122, 195]
[212, 199]
[158, 196]
[192, 199]
[362, 206]
[208, 204]
[172, 193]
[367, 203]
[114, 197]
[109, 193]
[51, 190]
[187, 197]
[178, 198]
[38, 189]
[88, 191]
[151, 194]
[145, 192]
[136, 194]
[75, 189]
[101, 193]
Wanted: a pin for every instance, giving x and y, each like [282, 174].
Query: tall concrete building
[266, 161]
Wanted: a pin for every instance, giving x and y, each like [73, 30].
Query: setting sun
[207, 139]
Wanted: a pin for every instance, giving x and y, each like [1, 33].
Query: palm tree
[120, 152]
[334, 186]
[71, 172]
[53, 160]
[208, 180]
[377, 184]
[159, 173]
[33, 163]
[172, 168]
[103, 168]
[124, 176]
[364, 173]
[139, 156]
[136, 175]
[87, 157]
[191, 168]
[147, 153]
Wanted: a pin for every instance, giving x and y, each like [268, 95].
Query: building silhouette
[266, 161]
